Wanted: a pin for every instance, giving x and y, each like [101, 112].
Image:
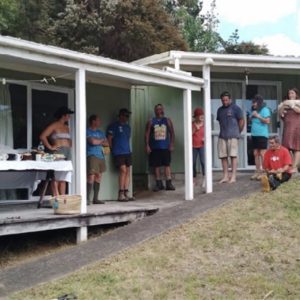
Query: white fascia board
[194, 58]
[240, 64]
[153, 59]
[63, 57]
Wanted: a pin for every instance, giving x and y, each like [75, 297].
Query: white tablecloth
[23, 174]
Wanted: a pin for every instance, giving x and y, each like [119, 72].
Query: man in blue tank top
[159, 145]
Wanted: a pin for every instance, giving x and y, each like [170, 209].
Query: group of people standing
[159, 140]
[273, 161]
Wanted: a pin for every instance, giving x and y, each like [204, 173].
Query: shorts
[95, 165]
[228, 148]
[259, 142]
[123, 159]
[159, 158]
[66, 151]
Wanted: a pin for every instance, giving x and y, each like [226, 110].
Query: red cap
[198, 112]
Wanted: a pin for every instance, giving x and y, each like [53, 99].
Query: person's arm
[240, 118]
[266, 120]
[194, 128]
[44, 137]
[147, 137]
[296, 109]
[109, 139]
[172, 135]
[96, 141]
[241, 124]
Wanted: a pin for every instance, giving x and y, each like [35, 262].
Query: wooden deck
[25, 219]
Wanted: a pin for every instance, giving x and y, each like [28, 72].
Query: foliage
[125, 30]
[8, 13]
[140, 28]
[200, 31]
[233, 46]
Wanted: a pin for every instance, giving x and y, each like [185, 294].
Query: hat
[124, 111]
[64, 110]
[198, 112]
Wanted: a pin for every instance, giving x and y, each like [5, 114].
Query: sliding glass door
[26, 109]
[242, 95]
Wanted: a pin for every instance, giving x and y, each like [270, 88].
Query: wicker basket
[66, 204]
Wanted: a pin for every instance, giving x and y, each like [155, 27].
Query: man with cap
[160, 138]
[118, 135]
[198, 142]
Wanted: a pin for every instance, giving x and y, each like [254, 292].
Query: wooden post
[208, 135]
[188, 151]
[80, 146]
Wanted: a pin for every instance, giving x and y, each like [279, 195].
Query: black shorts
[123, 159]
[259, 142]
[159, 158]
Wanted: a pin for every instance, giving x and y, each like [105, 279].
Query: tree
[8, 15]
[199, 30]
[233, 46]
[141, 28]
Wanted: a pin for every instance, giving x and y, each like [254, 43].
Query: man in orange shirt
[277, 164]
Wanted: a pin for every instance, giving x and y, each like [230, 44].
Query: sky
[275, 23]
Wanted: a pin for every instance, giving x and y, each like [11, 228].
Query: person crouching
[277, 165]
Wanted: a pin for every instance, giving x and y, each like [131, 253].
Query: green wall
[143, 101]
[106, 101]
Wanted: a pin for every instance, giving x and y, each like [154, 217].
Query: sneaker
[265, 184]
[122, 197]
[158, 186]
[204, 183]
[255, 176]
[170, 186]
[274, 184]
[97, 201]
[127, 197]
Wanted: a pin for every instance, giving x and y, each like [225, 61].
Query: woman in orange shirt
[198, 142]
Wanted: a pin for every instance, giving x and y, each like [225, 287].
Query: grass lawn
[247, 249]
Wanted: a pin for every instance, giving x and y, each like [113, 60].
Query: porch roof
[20, 55]
[193, 62]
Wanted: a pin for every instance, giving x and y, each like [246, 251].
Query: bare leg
[122, 177]
[168, 172]
[296, 161]
[257, 160]
[234, 168]
[62, 187]
[54, 187]
[225, 170]
[262, 154]
[127, 178]
[157, 173]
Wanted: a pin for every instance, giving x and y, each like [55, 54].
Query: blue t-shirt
[121, 134]
[94, 150]
[258, 128]
[229, 117]
[160, 135]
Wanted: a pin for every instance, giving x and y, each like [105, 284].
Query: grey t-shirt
[228, 117]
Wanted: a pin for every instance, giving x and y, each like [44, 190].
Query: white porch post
[188, 151]
[80, 146]
[208, 135]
